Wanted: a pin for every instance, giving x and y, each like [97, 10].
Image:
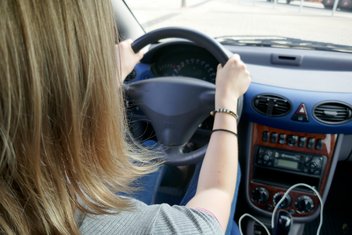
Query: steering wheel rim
[202, 40]
[149, 91]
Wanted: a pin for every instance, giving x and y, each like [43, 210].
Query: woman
[64, 155]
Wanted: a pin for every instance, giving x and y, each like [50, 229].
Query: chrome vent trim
[333, 112]
[271, 105]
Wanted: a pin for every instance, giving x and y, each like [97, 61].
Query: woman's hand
[232, 81]
[127, 59]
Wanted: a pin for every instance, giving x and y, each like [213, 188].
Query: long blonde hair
[62, 122]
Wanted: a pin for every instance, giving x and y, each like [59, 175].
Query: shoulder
[154, 219]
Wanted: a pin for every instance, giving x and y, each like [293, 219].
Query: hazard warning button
[301, 114]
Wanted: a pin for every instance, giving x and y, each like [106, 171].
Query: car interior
[295, 122]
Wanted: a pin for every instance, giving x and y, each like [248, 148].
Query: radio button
[266, 157]
[316, 163]
[261, 151]
[307, 158]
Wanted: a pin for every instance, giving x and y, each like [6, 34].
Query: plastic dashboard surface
[297, 97]
[320, 76]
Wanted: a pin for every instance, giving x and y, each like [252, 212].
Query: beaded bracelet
[225, 130]
[223, 110]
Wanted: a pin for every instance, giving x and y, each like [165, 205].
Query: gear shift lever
[283, 223]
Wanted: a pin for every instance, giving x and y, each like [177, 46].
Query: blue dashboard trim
[296, 97]
[143, 71]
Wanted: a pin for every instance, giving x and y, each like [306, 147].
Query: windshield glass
[317, 24]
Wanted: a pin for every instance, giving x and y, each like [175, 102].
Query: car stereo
[300, 163]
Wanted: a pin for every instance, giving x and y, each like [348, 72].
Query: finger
[140, 54]
[128, 41]
[235, 57]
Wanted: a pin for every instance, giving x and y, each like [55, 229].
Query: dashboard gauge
[166, 69]
[197, 68]
[185, 60]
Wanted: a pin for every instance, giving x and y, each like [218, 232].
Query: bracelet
[225, 130]
[223, 110]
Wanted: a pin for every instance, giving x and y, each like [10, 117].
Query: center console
[280, 159]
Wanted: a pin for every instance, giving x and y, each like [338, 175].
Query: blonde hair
[62, 123]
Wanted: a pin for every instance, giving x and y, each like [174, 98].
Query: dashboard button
[311, 143]
[266, 157]
[274, 137]
[301, 114]
[307, 158]
[292, 140]
[302, 142]
[282, 138]
[265, 136]
[319, 144]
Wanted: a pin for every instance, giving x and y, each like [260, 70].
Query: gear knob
[283, 223]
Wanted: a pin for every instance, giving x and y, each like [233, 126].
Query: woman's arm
[217, 178]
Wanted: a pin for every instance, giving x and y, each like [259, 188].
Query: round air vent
[271, 105]
[333, 112]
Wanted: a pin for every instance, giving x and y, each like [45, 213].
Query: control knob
[266, 157]
[304, 204]
[285, 203]
[315, 163]
[260, 195]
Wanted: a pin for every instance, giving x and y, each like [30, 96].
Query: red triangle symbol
[301, 110]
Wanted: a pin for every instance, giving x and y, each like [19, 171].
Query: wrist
[227, 104]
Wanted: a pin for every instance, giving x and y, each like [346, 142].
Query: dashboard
[296, 122]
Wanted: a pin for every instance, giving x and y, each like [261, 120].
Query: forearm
[219, 167]
[217, 180]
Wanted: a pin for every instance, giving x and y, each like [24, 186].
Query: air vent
[333, 113]
[271, 105]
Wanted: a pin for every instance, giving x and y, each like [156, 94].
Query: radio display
[287, 164]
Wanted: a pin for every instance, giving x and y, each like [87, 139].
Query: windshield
[316, 23]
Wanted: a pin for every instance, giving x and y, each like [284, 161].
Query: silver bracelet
[223, 110]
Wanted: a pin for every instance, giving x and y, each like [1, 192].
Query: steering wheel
[176, 106]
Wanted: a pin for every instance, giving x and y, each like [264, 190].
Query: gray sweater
[154, 219]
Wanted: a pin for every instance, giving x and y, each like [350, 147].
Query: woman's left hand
[127, 59]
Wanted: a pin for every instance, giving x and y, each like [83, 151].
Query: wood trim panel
[327, 149]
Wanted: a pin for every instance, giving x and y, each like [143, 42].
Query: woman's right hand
[232, 81]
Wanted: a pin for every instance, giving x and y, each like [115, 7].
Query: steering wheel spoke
[175, 155]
